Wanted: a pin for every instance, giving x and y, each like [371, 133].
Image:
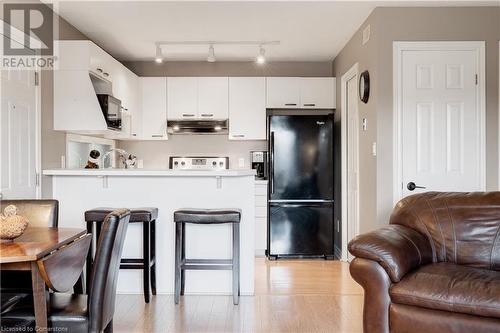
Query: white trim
[398, 48]
[352, 72]
[498, 115]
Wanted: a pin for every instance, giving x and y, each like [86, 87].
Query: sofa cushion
[450, 287]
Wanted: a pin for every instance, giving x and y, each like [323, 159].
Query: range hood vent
[197, 127]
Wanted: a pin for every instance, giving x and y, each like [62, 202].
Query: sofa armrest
[398, 249]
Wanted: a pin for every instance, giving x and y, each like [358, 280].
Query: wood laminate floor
[290, 296]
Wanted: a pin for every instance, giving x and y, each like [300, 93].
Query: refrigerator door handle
[271, 176]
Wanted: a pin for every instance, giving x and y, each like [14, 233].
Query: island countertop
[79, 190]
[150, 172]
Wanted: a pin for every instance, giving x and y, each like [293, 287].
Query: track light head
[211, 54]
[261, 58]
[159, 56]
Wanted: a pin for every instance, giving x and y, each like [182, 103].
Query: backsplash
[155, 154]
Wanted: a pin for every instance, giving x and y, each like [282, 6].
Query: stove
[198, 163]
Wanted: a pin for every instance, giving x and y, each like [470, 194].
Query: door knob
[411, 186]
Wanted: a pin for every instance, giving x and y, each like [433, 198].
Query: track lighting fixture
[261, 59]
[159, 56]
[211, 54]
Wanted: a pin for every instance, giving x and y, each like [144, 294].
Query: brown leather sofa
[434, 268]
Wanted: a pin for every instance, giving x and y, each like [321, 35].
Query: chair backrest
[102, 294]
[463, 228]
[40, 213]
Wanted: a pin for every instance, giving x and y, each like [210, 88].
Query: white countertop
[149, 172]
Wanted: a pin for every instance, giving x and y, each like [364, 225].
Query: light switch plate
[366, 34]
[374, 149]
[241, 162]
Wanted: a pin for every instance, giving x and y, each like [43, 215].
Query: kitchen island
[79, 190]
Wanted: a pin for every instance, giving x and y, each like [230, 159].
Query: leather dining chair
[82, 313]
[40, 213]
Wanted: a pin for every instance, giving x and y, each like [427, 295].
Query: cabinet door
[154, 108]
[283, 92]
[182, 93]
[134, 105]
[247, 108]
[317, 93]
[213, 97]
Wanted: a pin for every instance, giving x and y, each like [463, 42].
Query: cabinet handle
[134, 134]
[309, 104]
[207, 114]
[290, 104]
[238, 136]
[188, 115]
[157, 136]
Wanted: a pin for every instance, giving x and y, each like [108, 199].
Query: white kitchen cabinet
[154, 108]
[317, 93]
[283, 92]
[182, 94]
[260, 217]
[197, 98]
[247, 108]
[301, 93]
[213, 97]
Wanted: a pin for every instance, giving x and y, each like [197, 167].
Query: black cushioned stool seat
[145, 215]
[206, 216]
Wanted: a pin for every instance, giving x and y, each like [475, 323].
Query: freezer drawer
[301, 229]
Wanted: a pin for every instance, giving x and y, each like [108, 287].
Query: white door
[352, 160]
[247, 108]
[18, 126]
[154, 108]
[213, 97]
[441, 121]
[182, 93]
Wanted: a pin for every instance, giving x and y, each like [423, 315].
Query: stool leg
[236, 263]
[90, 254]
[153, 256]
[183, 257]
[146, 259]
[178, 244]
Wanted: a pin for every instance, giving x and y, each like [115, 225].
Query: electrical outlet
[241, 162]
[374, 149]
[364, 124]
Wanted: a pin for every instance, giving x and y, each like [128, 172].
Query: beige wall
[155, 153]
[53, 142]
[413, 24]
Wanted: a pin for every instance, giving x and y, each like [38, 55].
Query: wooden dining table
[55, 258]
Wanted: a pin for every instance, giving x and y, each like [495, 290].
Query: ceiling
[308, 31]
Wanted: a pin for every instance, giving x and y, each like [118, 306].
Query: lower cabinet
[260, 217]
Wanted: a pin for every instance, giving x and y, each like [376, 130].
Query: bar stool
[206, 216]
[147, 216]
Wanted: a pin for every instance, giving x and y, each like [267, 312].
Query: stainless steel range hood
[197, 126]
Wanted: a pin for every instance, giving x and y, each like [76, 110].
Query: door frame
[18, 36]
[398, 48]
[352, 72]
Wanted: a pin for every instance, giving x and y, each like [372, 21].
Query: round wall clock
[364, 87]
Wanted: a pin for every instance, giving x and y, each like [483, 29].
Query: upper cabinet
[202, 98]
[283, 92]
[247, 108]
[300, 93]
[154, 108]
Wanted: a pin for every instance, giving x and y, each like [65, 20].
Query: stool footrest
[207, 264]
[134, 263]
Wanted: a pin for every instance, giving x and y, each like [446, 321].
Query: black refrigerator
[300, 187]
